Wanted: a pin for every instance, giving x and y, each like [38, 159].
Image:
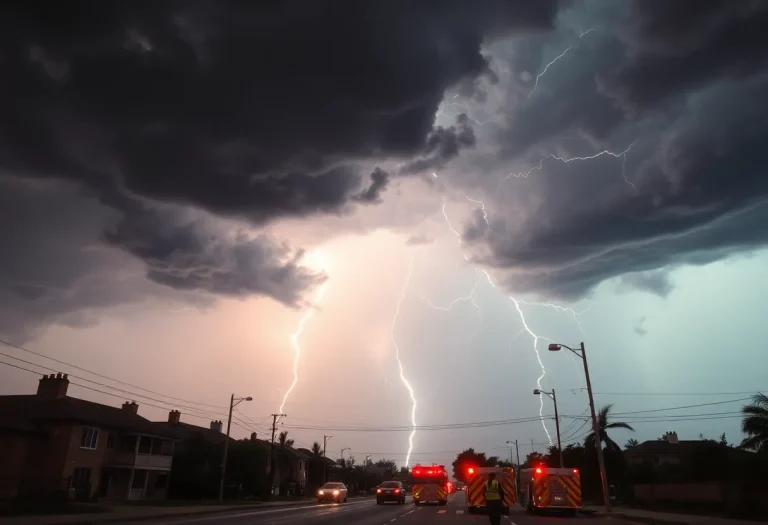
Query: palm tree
[602, 422]
[283, 439]
[317, 450]
[631, 442]
[755, 424]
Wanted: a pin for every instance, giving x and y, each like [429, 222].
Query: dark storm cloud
[691, 189]
[53, 269]
[679, 46]
[247, 110]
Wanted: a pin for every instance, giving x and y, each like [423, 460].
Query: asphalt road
[366, 512]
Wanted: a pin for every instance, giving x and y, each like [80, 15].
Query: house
[291, 469]
[51, 442]
[673, 452]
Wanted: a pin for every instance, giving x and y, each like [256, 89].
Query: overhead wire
[76, 367]
[240, 424]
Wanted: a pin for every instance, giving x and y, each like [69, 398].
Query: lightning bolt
[400, 363]
[295, 336]
[620, 154]
[558, 57]
[522, 319]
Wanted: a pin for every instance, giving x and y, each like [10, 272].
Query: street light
[232, 404]
[582, 353]
[551, 395]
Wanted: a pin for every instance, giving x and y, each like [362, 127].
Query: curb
[172, 515]
[638, 519]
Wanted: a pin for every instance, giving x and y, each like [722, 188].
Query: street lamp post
[517, 467]
[552, 396]
[232, 404]
[582, 353]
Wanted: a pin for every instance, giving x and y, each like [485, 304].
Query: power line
[452, 426]
[113, 395]
[130, 394]
[104, 376]
[574, 390]
[681, 407]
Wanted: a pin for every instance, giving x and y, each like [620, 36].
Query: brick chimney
[253, 436]
[216, 426]
[174, 416]
[671, 437]
[131, 407]
[53, 386]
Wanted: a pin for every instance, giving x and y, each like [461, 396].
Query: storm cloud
[609, 166]
[246, 111]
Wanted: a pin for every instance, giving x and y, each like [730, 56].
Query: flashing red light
[470, 470]
[538, 471]
[575, 471]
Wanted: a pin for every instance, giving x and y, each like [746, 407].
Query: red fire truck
[430, 483]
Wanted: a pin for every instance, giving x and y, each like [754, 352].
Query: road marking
[393, 519]
[409, 512]
[441, 511]
[459, 512]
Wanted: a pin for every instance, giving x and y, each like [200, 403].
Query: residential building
[51, 442]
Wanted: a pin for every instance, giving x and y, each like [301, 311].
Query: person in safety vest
[494, 495]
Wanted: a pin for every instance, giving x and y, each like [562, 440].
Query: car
[333, 491]
[390, 491]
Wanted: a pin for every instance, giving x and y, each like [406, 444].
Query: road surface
[366, 512]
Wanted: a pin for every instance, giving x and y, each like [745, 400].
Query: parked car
[332, 491]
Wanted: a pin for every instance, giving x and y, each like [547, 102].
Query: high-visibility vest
[492, 490]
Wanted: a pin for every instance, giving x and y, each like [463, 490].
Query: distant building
[50, 442]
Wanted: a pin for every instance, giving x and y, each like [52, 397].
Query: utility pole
[365, 471]
[272, 452]
[232, 404]
[325, 458]
[557, 427]
[597, 432]
[552, 396]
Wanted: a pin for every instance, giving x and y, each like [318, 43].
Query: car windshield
[391, 484]
[332, 486]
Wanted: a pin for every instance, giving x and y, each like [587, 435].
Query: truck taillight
[538, 471]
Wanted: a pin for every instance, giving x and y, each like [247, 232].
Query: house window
[167, 448]
[81, 478]
[110, 441]
[161, 481]
[90, 438]
[145, 445]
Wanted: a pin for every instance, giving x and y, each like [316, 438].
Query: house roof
[184, 431]
[26, 412]
[310, 455]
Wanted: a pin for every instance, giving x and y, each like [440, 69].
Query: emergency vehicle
[430, 483]
[550, 488]
[476, 478]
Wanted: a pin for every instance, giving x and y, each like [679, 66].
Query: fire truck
[476, 478]
[550, 488]
[430, 483]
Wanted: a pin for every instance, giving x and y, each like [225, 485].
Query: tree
[603, 424]
[755, 424]
[283, 439]
[317, 450]
[534, 458]
[464, 460]
[631, 443]
[387, 465]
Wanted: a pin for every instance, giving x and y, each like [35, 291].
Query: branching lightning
[621, 154]
[558, 57]
[522, 319]
[400, 363]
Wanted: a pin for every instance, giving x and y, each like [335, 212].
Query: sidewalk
[121, 513]
[667, 518]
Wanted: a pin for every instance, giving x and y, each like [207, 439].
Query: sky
[374, 217]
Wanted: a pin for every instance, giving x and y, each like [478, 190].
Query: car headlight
[335, 492]
[320, 492]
